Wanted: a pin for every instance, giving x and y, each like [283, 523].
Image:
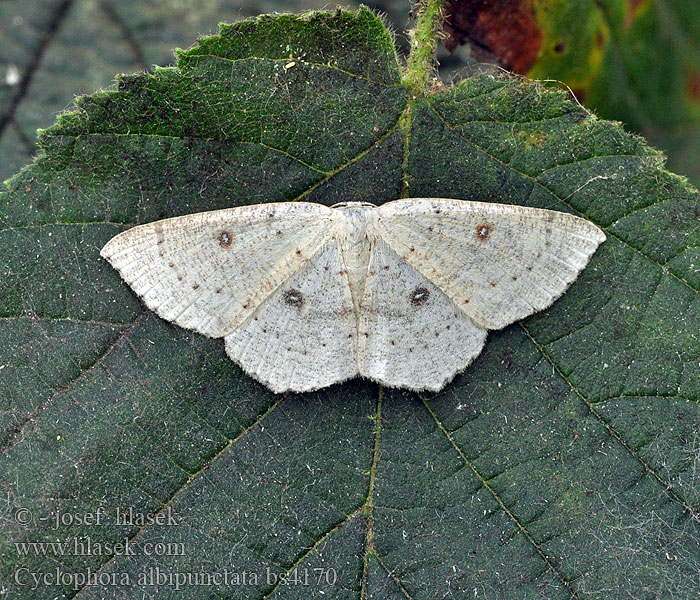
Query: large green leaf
[51, 50]
[562, 464]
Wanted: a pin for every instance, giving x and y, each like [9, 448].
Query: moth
[306, 296]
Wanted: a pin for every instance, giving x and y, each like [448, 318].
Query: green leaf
[561, 464]
[54, 49]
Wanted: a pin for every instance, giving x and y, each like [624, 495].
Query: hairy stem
[423, 38]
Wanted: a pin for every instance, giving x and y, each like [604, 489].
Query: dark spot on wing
[419, 296]
[483, 231]
[195, 286]
[294, 298]
[225, 239]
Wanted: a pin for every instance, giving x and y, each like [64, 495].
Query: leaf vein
[500, 502]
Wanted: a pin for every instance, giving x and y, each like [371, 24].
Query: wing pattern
[498, 263]
[286, 284]
[411, 334]
[210, 271]
[303, 337]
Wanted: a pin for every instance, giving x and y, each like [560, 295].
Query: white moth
[306, 296]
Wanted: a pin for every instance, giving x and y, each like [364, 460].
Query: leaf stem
[423, 38]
